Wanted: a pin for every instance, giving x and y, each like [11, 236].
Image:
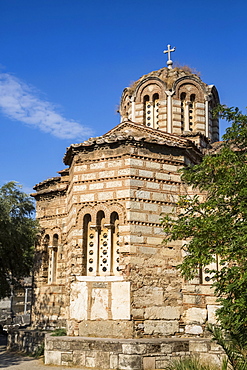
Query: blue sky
[64, 64]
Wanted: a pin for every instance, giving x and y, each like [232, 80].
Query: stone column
[186, 116]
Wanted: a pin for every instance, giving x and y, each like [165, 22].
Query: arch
[147, 86]
[192, 82]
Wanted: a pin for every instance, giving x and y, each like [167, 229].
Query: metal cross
[169, 61]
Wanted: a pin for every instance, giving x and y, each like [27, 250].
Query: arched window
[45, 256]
[182, 98]
[52, 274]
[156, 111]
[115, 244]
[102, 244]
[192, 111]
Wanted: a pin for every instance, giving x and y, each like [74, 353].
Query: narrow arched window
[156, 104]
[182, 99]
[45, 257]
[192, 112]
[52, 275]
[114, 243]
[148, 111]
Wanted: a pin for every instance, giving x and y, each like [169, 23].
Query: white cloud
[21, 102]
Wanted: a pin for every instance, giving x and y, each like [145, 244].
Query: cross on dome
[169, 61]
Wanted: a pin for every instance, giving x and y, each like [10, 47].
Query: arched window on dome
[148, 111]
[182, 99]
[156, 104]
[192, 111]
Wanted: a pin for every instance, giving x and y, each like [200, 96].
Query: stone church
[102, 269]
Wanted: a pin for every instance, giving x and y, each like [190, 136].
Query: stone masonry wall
[116, 354]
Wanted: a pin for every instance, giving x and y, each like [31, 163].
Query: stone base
[126, 354]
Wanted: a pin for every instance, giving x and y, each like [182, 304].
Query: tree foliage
[18, 231]
[215, 222]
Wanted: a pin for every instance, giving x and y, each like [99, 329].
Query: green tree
[18, 231]
[216, 223]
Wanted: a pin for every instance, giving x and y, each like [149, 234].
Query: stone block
[117, 163]
[150, 207]
[130, 362]
[127, 172]
[123, 193]
[154, 165]
[148, 363]
[79, 187]
[96, 186]
[105, 195]
[148, 250]
[113, 184]
[153, 185]
[52, 357]
[106, 329]
[90, 362]
[133, 162]
[154, 218]
[180, 346]
[198, 346]
[137, 314]
[66, 357]
[166, 348]
[167, 313]
[134, 349]
[120, 305]
[99, 308]
[154, 240]
[145, 173]
[106, 174]
[113, 361]
[161, 363]
[136, 216]
[170, 187]
[195, 315]
[88, 176]
[133, 182]
[97, 165]
[78, 300]
[79, 358]
[87, 197]
[212, 359]
[160, 327]
[170, 167]
[162, 176]
[212, 313]
[142, 194]
[193, 329]
[80, 168]
[102, 360]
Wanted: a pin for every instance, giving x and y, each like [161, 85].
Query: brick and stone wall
[142, 354]
[102, 268]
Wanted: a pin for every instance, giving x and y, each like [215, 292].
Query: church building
[102, 269]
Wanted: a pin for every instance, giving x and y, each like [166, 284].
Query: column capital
[169, 93]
